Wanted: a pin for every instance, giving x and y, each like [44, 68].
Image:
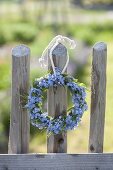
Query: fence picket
[19, 119]
[57, 102]
[98, 98]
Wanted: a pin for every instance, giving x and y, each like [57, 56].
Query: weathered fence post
[57, 102]
[98, 98]
[19, 118]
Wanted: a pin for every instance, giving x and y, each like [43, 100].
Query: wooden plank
[57, 162]
[19, 118]
[57, 102]
[98, 98]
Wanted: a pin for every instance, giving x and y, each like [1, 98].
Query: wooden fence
[57, 159]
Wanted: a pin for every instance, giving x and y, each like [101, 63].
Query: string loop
[55, 41]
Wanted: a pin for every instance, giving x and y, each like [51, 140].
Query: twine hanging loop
[51, 46]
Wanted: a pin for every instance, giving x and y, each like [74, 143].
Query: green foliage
[4, 124]
[24, 32]
[45, 35]
[30, 33]
[3, 39]
[36, 73]
[86, 35]
[4, 114]
[107, 26]
[4, 76]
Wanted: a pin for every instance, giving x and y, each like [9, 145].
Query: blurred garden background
[35, 23]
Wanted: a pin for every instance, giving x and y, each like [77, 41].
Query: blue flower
[35, 91]
[50, 83]
[43, 83]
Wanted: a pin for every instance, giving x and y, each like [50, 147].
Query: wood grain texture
[57, 102]
[19, 118]
[57, 162]
[98, 98]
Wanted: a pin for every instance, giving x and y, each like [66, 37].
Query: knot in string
[51, 46]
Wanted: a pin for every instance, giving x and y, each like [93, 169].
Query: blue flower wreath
[63, 122]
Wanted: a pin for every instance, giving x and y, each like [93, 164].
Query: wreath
[64, 122]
